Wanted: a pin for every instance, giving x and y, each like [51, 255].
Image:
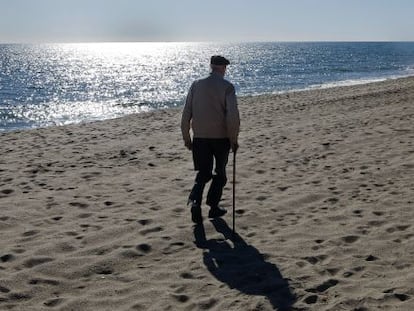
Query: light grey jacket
[211, 110]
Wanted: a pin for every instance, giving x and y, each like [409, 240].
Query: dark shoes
[196, 213]
[216, 211]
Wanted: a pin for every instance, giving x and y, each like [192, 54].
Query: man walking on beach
[211, 112]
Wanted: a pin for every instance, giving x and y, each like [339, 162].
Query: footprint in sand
[53, 302]
[130, 254]
[401, 297]
[7, 258]
[350, 239]
[32, 262]
[240, 211]
[283, 188]
[403, 227]
[144, 248]
[151, 230]
[4, 290]
[180, 298]
[19, 297]
[397, 228]
[43, 282]
[79, 204]
[332, 200]
[312, 299]
[84, 215]
[333, 271]
[323, 287]
[30, 233]
[376, 223]
[358, 213]
[371, 258]
[319, 241]
[173, 247]
[144, 222]
[187, 275]
[315, 259]
[89, 176]
[7, 191]
[103, 270]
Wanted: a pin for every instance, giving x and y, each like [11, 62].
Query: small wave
[409, 70]
[351, 82]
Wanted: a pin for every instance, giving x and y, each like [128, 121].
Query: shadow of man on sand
[242, 267]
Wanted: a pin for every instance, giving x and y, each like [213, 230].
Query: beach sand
[94, 216]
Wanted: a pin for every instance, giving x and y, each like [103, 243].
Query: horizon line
[208, 41]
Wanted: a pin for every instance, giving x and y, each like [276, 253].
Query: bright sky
[205, 20]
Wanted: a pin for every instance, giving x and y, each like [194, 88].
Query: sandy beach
[94, 216]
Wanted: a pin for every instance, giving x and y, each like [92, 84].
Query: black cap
[219, 60]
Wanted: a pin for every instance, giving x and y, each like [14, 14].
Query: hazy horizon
[206, 42]
[84, 21]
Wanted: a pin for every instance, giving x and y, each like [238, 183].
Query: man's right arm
[186, 118]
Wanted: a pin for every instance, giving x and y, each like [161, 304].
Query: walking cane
[234, 191]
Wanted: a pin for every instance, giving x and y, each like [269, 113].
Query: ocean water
[55, 84]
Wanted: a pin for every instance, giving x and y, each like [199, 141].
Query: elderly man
[211, 112]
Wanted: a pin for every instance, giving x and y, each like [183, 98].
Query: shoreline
[333, 85]
[93, 215]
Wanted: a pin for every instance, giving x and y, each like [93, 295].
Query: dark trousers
[206, 151]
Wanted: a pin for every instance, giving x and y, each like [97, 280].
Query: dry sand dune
[93, 216]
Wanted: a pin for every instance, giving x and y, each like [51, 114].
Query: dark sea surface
[56, 84]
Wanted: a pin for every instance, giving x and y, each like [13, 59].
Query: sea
[55, 84]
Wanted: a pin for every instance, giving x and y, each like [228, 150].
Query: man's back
[212, 107]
